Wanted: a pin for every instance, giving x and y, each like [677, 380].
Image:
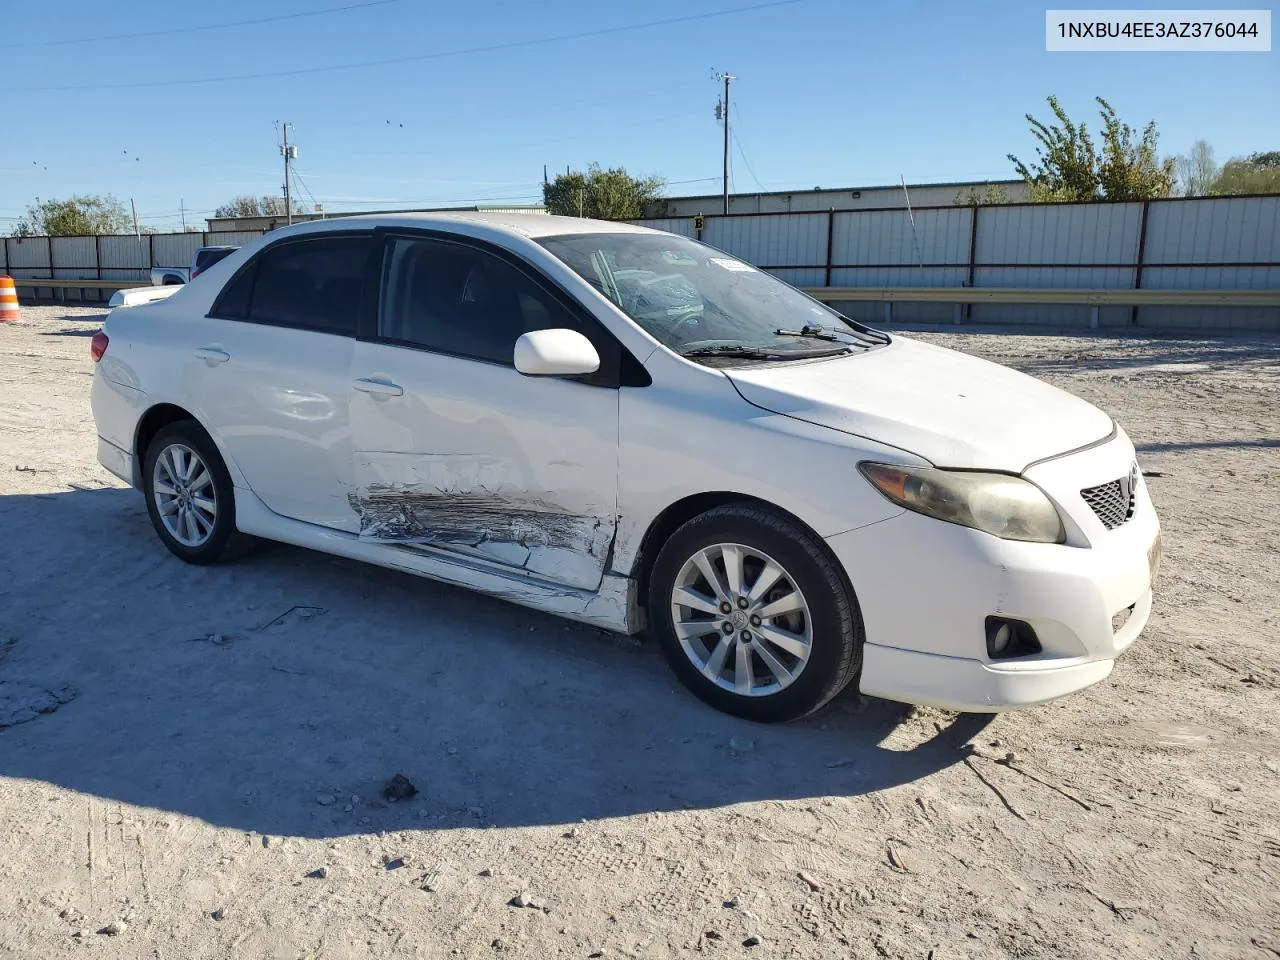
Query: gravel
[1100, 840]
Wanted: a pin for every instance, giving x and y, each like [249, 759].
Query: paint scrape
[406, 514]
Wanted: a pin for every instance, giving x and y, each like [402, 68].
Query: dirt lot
[164, 794]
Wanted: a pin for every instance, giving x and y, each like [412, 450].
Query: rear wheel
[189, 495]
[753, 615]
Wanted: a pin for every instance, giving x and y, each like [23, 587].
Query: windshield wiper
[732, 350]
[809, 330]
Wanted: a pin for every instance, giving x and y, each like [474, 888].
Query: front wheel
[753, 614]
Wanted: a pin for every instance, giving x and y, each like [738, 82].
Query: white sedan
[635, 430]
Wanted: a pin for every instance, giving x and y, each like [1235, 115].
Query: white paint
[474, 428]
[952, 409]
[552, 353]
[134, 296]
[301, 436]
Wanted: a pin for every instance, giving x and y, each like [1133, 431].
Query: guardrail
[1094, 299]
[32, 283]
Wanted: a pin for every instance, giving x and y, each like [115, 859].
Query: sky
[177, 106]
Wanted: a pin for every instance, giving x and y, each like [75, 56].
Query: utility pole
[290, 153]
[722, 113]
[182, 209]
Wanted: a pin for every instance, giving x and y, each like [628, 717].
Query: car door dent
[477, 502]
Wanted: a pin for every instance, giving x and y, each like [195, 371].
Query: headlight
[1008, 507]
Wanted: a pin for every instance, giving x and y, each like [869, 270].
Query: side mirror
[555, 353]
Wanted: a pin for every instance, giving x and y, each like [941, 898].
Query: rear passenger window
[311, 284]
[233, 301]
[460, 300]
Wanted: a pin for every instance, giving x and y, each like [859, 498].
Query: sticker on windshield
[737, 266]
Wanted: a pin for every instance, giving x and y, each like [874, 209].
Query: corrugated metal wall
[1218, 243]
[176, 249]
[1229, 243]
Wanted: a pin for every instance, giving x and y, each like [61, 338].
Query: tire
[816, 602]
[212, 541]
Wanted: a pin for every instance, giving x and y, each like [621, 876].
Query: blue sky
[829, 92]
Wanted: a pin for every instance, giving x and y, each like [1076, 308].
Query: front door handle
[379, 388]
[212, 355]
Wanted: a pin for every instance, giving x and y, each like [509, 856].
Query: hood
[948, 407]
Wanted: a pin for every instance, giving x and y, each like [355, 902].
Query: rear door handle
[379, 388]
[212, 355]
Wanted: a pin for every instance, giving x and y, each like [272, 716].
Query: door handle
[379, 389]
[212, 355]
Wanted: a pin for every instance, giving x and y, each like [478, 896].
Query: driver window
[460, 300]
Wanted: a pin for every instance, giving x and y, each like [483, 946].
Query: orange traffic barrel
[8, 300]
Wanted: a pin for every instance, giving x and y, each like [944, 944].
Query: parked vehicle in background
[632, 429]
[201, 260]
[134, 296]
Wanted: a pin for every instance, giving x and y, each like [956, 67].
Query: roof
[511, 224]
[803, 190]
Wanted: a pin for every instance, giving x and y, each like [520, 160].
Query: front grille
[1113, 502]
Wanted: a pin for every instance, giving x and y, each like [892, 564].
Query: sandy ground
[164, 795]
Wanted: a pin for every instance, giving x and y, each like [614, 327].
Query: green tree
[1070, 167]
[990, 195]
[1256, 173]
[247, 206]
[602, 194]
[1197, 170]
[77, 216]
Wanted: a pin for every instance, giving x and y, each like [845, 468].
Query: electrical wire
[209, 26]
[415, 58]
[738, 143]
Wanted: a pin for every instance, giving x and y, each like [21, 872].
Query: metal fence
[1212, 243]
[123, 259]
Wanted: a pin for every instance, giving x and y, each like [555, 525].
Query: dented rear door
[463, 452]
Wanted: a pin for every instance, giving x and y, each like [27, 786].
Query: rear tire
[190, 497]
[776, 635]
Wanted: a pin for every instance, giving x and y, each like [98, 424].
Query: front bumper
[925, 589]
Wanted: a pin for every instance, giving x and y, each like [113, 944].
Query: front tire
[189, 494]
[753, 614]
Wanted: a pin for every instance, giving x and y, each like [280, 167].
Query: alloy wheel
[741, 619]
[184, 494]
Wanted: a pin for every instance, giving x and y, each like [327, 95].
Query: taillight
[98, 345]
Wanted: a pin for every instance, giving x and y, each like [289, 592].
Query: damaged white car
[633, 429]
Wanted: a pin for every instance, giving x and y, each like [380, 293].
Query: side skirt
[613, 607]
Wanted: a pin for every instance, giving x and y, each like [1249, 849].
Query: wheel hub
[741, 619]
[184, 494]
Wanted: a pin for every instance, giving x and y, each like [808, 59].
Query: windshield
[703, 303]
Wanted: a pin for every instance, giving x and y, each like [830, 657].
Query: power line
[742, 153]
[208, 26]
[488, 48]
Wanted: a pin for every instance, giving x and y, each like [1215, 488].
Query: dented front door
[479, 459]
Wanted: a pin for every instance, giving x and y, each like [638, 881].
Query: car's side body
[650, 478]
[555, 493]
